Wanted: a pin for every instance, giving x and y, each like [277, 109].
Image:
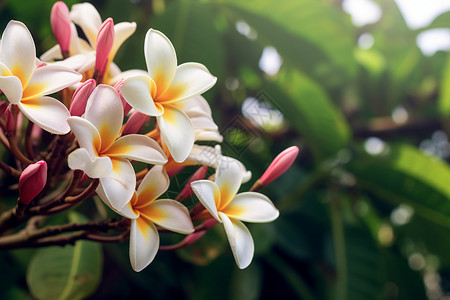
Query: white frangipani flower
[158, 93]
[103, 153]
[220, 200]
[26, 86]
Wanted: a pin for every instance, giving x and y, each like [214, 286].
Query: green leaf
[247, 283]
[310, 111]
[70, 272]
[441, 21]
[406, 175]
[304, 32]
[444, 95]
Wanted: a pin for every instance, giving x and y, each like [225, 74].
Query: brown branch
[9, 170]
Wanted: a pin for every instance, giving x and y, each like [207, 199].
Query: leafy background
[365, 210]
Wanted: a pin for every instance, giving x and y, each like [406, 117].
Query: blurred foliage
[365, 210]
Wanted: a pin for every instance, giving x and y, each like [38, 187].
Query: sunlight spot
[270, 61]
[416, 261]
[402, 214]
[363, 12]
[400, 115]
[431, 41]
[374, 145]
[244, 29]
[262, 114]
[365, 41]
[385, 235]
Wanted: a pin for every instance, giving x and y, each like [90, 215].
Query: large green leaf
[70, 272]
[304, 32]
[309, 110]
[405, 174]
[444, 95]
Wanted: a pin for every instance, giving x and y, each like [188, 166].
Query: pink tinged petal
[252, 207]
[280, 164]
[93, 166]
[126, 107]
[10, 120]
[105, 40]
[208, 194]
[144, 243]
[240, 239]
[50, 79]
[119, 186]
[187, 191]
[191, 79]
[135, 123]
[87, 17]
[138, 147]
[154, 184]
[104, 110]
[80, 97]
[12, 88]
[86, 134]
[137, 91]
[60, 21]
[160, 58]
[122, 32]
[125, 74]
[47, 113]
[177, 132]
[32, 181]
[228, 179]
[169, 214]
[17, 51]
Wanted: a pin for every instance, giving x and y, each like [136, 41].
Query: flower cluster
[103, 122]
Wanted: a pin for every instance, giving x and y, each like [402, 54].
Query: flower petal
[86, 134]
[47, 113]
[252, 207]
[240, 240]
[177, 132]
[119, 186]
[191, 79]
[228, 179]
[105, 111]
[137, 91]
[87, 17]
[144, 243]
[154, 184]
[49, 79]
[194, 104]
[204, 155]
[93, 166]
[12, 88]
[138, 147]
[122, 31]
[160, 58]
[208, 194]
[169, 214]
[17, 51]
[127, 211]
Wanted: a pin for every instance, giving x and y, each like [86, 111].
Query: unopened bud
[187, 191]
[279, 165]
[80, 97]
[10, 121]
[126, 106]
[32, 181]
[60, 21]
[135, 123]
[105, 40]
[3, 106]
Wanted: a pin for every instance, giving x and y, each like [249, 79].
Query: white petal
[201, 120]
[208, 194]
[138, 147]
[204, 155]
[177, 132]
[17, 51]
[122, 31]
[74, 62]
[93, 166]
[153, 185]
[52, 54]
[47, 113]
[87, 17]
[137, 91]
[160, 58]
[105, 111]
[191, 79]
[194, 104]
[86, 134]
[49, 79]
[119, 186]
[125, 74]
[144, 243]
[169, 214]
[228, 179]
[208, 135]
[240, 240]
[127, 211]
[252, 207]
[12, 88]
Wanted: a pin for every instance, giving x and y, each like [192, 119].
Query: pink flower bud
[186, 192]
[126, 106]
[135, 122]
[279, 165]
[80, 97]
[60, 22]
[105, 40]
[3, 106]
[32, 181]
[10, 121]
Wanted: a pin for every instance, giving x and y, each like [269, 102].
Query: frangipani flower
[25, 85]
[144, 212]
[166, 84]
[220, 200]
[103, 153]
